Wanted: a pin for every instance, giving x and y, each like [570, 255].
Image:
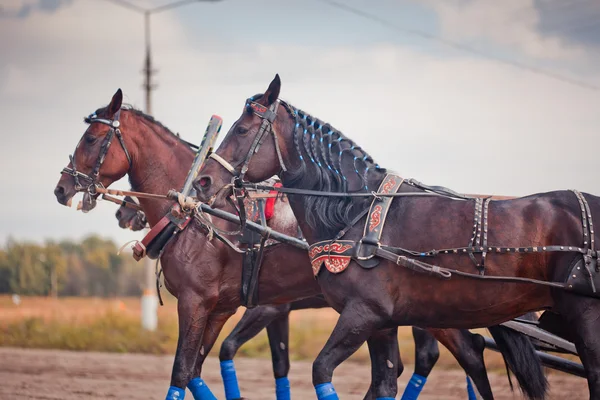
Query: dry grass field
[91, 328]
[113, 325]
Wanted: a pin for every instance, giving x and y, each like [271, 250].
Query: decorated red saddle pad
[252, 206]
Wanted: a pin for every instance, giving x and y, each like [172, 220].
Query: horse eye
[240, 130]
[90, 139]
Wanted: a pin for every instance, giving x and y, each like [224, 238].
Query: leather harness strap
[139, 249]
[379, 209]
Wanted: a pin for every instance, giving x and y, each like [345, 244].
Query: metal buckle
[358, 247]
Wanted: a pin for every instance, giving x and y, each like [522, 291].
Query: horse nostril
[205, 182]
[118, 214]
[59, 191]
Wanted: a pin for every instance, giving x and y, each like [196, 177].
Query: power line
[128, 5]
[461, 47]
[155, 10]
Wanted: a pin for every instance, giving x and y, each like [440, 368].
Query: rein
[386, 252]
[122, 203]
[373, 194]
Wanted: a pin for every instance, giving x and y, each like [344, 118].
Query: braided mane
[329, 161]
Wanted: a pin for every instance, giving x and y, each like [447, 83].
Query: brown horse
[310, 155]
[467, 347]
[130, 218]
[203, 275]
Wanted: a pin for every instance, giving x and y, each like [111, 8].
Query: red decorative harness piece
[379, 208]
[335, 255]
[375, 217]
[270, 205]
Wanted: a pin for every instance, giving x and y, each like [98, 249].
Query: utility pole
[149, 301]
[148, 70]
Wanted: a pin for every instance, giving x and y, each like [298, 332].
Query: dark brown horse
[310, 155]
[203, 275]
[467, 347]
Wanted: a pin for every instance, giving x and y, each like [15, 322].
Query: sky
[419, 86]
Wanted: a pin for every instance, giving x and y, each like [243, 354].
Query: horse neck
[160, 162]
[292, 158]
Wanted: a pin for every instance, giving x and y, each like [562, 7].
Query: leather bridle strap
[92, 178]
[268, 116]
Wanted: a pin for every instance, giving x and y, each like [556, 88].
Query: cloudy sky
[402, 84]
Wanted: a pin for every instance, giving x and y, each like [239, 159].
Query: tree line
[90, 267]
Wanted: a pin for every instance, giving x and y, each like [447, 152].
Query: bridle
[90, 182]
[267, 115]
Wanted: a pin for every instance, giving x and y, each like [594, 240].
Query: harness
[337, 253]
[267, 115]
[91, 181]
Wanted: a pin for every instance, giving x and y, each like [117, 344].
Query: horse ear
[115, 103]
[272, 93]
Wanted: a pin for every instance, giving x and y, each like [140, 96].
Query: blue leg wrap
[282, 388]
[470, 389]
[326, 391]
[232, 389]
[200, 390]
[414, 387]
[175, 393]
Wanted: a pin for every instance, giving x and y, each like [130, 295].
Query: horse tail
[520, 358]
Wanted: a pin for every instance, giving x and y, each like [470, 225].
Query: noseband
[267, 115]
[90, 182]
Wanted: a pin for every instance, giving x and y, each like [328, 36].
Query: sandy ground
[55, 374]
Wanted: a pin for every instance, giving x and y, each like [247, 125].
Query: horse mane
[147, 118]
[329, 161]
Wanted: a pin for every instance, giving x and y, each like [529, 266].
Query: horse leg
[467, 348]
[279, 332]
[354, 326]
[582, 316]
[252, 322]
[193, 315]
[426, 355]
[386, 365]
[197, 386]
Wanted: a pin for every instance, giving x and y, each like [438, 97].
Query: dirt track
[53, 374]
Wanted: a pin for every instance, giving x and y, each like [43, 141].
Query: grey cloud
[577, 22]
[27, 8]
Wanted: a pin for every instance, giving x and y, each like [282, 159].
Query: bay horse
[543, 237]
[467, 347]
[130, 218]
[203, 275]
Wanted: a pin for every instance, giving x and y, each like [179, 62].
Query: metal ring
[92, 189]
